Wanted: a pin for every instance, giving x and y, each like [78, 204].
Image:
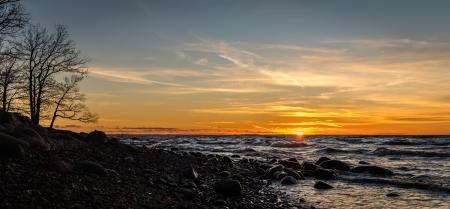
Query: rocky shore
[42, 168]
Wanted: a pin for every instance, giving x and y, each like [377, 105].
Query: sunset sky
[236, 66]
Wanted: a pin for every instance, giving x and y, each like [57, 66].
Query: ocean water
[414, 159]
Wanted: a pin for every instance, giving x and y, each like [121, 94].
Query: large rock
[228, 187]
[32, 137]
[372, 169]
[291, 164]
[11, 147]
[98, 137]
[293, 173]
[61, 166]
[335, 164]
[324, 174]
[321, 160]
[274, 169]
[90, 167]
[322, 185]
[289, 180]
[279, 175]
[308, 166]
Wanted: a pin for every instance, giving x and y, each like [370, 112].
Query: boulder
[33, 138]
[321, 160]
[293, 173]
[61, 166]
[291, 164]
[11, 147]
[279, 175]
[274, 169]
[372, 169]
[225, 173]
[307, 166]
[289, 180]
[322, 185]
[335, 164]
[90, 167]
[324, 174]
[98, 137]
[228, 187]
[227, 160]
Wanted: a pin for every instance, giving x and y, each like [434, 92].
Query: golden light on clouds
[354, 86]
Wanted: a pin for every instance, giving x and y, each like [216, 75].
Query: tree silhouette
[46, 55]
[69, 102]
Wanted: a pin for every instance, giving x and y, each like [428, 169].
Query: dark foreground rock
[322, 185]
[228, 187]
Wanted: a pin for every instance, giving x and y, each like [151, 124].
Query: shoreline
[64, 169]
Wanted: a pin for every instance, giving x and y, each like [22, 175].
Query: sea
[424, 160]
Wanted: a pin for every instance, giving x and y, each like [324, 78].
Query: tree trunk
[4, 99]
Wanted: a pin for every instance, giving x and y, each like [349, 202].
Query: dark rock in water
[10, 147]
[321, 160]
[274, 169]
[228, 187]
[227, 160]
[307, 166]
[293, 159]
[363, 162]
[392, 194]
[401, 142]
[235, 156]
[291, 164]
[324, 174]
[335, 164]
[98, 137]
[375, 170]
[333, 150]
[279, 175]
[322, 185]
[289, 180]
[90, 167]
[191, 173]
[293, 173]
[61, 166]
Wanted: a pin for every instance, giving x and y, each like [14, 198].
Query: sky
[261, 67]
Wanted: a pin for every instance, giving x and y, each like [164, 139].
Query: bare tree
[9, 81]
[69, 102]
[12, 17]
[46, 55]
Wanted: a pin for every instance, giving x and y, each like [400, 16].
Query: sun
[299, 133]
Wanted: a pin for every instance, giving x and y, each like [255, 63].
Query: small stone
[392, 194]
[322, 185]
[90, 167]
[228, 187]
[289, 180]
[225, 173]
[363, 162]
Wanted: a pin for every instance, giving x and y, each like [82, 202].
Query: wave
[386, 151]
